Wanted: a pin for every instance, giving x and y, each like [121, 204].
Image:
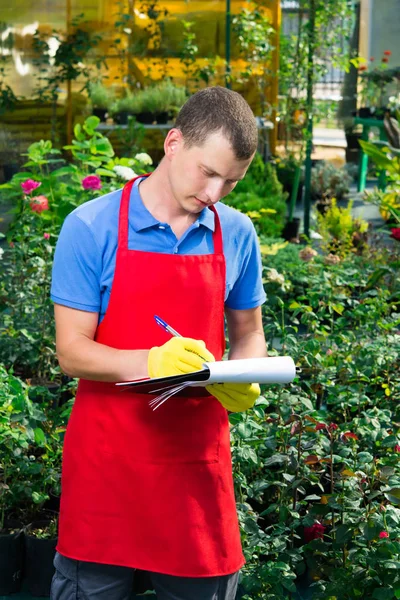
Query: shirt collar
[140, 218]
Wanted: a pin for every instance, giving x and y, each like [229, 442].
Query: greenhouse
[200, 299]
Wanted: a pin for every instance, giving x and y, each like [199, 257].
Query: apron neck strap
[123, 225]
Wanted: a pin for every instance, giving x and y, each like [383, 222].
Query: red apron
[149, 489]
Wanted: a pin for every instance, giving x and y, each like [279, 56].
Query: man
[143, 489]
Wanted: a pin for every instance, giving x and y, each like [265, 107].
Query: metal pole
[69, 86]
[228, 45]
[276, 23]
[310, 85]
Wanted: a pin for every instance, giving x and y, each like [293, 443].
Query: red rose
[385, 59]
[397, 448]
[332, 426]
[362, 68]
[383, 535]
[387, 53]
[314, 532]
[395, 233]
[39, 204]
[372, 59]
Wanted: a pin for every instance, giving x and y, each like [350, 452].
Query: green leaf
[339, 308]
[40, 438]
[294, 305]
[90, 124]
[393, 496]
[383, 593]
[276, 459]
[380, 158]
[78, 132]
[307, 403]
[105, 172]
[344, 533]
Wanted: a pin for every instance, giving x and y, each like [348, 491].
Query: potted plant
[129, 105]
[374, 83]
[101, 98]
[9, 155]
[40, 548]
[287, 169]
[19, 426]
[291, 230]
[328, 181]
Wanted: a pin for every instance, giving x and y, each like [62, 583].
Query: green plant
[131, 102]
[388, 158]
[260, 195]
[158, 98]
[21, 429]
[69, 61]
[328, 181]
[44, 195]
[254, 34]
[374, 81]
[100, 95]
[341, 232]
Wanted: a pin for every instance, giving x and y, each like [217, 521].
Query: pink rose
[91, 182]
[383, 535]
[29, 185]
[46, 236]
[39, 204]
[397, 448]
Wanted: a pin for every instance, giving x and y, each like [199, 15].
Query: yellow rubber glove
[178, 356]
[235, 397]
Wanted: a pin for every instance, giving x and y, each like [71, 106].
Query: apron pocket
[182, 430]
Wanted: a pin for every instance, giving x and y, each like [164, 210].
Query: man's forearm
[251, 346]
[88, 359]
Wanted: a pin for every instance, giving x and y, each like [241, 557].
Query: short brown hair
[219, 109]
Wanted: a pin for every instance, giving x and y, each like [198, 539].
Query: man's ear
[173, 142]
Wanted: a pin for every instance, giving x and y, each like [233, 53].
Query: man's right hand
[178, 356]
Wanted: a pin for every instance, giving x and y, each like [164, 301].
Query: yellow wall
[22, 16]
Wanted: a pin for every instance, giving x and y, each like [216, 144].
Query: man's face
[200, 176]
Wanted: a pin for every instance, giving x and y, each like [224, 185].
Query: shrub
[260, 195]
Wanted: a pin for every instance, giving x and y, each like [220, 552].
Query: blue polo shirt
[84, 260]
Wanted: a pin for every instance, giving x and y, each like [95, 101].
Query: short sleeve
[248, 291]
[77, 267]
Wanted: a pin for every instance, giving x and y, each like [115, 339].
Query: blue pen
[166, 327]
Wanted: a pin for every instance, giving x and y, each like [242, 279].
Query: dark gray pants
[79, 580]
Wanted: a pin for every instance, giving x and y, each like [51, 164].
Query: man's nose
[214, 190]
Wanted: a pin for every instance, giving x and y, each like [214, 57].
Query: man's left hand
[235, 397]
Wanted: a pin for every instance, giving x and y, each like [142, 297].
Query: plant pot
[379, 113]
[291, 230]
[162, 118]
[146, 118]
[11, 561]
[121, 118]
[9, 170]
[39, 556]
[101, 113]
[353, 147]
[364, 112]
